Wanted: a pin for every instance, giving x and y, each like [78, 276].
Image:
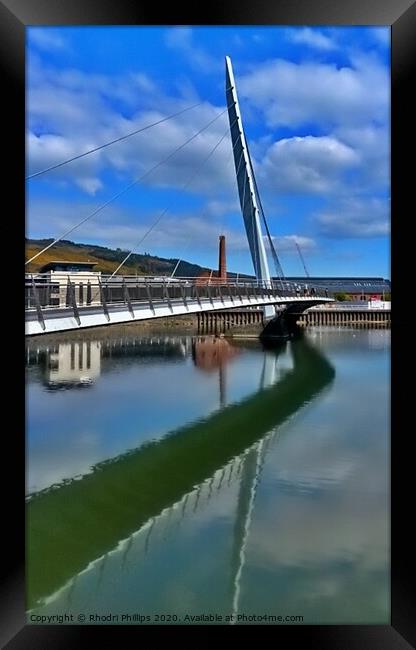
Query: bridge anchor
[283, 325]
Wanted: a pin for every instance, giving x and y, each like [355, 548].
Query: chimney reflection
[212, 353]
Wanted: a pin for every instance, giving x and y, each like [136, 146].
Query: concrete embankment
[344, 317]
[233, 323]
[251, 323]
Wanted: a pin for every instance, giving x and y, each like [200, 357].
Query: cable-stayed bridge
[112, 299]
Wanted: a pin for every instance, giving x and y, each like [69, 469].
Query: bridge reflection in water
[139, 495]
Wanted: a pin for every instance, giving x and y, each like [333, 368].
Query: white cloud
[308, 164]
[292, 94]
[80, 114]
[355, 218]
[181, 38]
[46, 38]
[90, 185]
[237, 40]
[372, 143]
[144, 83]
[219, 208]
[184, 233]
[47, 150]
[287, 243]
[381, 35]
[312, 37]
[122, 228]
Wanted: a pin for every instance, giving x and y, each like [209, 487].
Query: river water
[172, 478]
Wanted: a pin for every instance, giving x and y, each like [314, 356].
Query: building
[365, 288]
[60, 266]
[57, 274]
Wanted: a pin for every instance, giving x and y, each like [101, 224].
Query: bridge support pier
[283, 326]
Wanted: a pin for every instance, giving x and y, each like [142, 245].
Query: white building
[86, 281]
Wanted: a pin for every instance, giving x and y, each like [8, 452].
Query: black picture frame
[15, 15]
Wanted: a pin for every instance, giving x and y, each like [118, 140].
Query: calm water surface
[177, 476]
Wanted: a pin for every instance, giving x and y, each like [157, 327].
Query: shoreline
[180, 326]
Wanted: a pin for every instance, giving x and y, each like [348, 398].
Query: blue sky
[315, 102]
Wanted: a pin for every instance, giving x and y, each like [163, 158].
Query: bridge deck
[119, 306]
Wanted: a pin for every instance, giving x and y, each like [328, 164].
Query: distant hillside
[107, 259]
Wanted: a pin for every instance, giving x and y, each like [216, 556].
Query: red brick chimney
[222, 268]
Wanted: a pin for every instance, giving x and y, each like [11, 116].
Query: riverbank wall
[229, 323]
[346, 317]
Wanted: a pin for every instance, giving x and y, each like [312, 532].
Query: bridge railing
[42, 292]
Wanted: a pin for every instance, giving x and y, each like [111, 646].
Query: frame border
[15, 15]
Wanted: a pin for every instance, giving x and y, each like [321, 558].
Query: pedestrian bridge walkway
[122, 299]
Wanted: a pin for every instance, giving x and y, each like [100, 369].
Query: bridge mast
[245, 180]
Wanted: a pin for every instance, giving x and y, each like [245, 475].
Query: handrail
[51, 292]
[117, 279]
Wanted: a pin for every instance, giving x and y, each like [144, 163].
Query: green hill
[107, 259]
